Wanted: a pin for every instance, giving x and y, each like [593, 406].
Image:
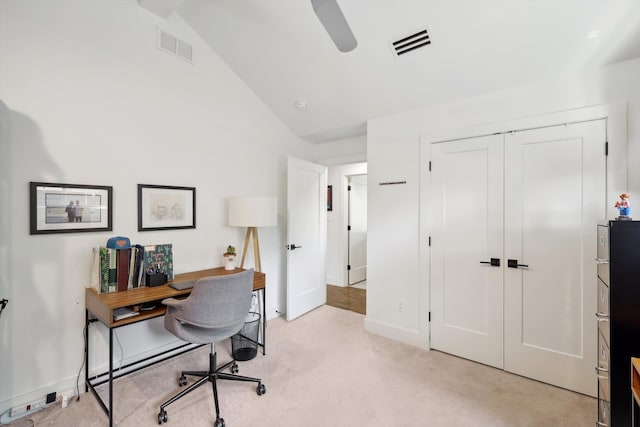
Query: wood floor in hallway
[348, 298]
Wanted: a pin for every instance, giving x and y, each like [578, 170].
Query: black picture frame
[69, 208]
[165, 207]
[330, 197]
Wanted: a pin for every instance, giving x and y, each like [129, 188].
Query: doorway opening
[347, 237]
[357, 231]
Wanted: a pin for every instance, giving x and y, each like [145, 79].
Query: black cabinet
[618, 318]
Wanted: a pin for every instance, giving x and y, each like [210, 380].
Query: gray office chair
[215, 310]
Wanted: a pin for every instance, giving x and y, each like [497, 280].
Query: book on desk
[118, 270]
[114, 268]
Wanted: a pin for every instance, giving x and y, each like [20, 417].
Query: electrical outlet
[400, 305]
[29, 407]
[38, 404]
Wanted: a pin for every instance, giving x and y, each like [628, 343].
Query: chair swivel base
[212, 375]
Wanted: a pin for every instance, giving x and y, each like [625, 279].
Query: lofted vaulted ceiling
[284, 54]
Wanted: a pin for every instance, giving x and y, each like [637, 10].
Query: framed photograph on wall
[162, 207]
[69, 208]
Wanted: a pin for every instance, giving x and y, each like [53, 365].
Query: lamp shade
[256, 211]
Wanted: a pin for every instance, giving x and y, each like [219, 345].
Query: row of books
[115, 270]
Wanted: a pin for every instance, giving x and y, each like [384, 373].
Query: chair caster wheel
[182, 381]
[261, 389]
[162, 416]
[219, 422]
[234, 368]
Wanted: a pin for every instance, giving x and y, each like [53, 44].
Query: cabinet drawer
[603, 329]
[603, 254]
[602, 311]
[603, 356]
[603, 299]
[604, 416]
[602, 372]
[603, 390]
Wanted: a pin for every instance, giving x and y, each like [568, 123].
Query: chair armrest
[175, 307]
[172, 302]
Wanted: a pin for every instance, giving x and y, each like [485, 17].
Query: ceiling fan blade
[331, 17]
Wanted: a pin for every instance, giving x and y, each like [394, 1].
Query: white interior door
[466, 290]
[554, 197]
[357, 229]
[306, 236]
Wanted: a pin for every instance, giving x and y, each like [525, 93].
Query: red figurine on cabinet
[623, 206]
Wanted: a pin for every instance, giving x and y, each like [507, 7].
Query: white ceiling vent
[410, 43]
[175, 46]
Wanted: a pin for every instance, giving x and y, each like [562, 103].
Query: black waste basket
[244, 344]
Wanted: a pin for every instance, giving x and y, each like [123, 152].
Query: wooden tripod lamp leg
[245, 246]
[256, 249]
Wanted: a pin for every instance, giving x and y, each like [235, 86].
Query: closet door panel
[466, 194]
[554, 194]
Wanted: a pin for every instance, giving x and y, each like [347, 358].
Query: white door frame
[617, 166]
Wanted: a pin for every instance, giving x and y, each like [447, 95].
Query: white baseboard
[407, 336]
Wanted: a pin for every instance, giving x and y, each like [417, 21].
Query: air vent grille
[411, 43]
[173, 45]
[185, 50]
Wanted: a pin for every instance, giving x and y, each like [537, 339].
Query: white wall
[392, 236]
[87, 98]
[341, 151]
[337, 221]
[393, 153]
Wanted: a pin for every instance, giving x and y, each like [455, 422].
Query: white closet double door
[513, 223]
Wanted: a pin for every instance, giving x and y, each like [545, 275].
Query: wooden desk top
[102, 305]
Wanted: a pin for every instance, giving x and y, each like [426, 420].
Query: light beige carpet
[324, 370]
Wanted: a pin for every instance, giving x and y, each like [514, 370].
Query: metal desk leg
[86, 351]
[264, 321]
[110, 377]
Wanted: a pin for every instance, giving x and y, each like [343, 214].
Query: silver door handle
[601, 317]
[601, 261]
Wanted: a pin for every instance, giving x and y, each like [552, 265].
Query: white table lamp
[253, 212]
